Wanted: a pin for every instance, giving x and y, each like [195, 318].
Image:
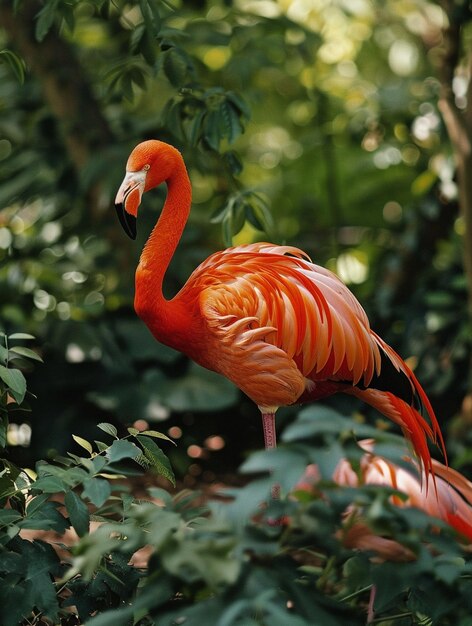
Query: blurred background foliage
[314, 123]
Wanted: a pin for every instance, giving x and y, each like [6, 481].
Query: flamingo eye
[146, 167]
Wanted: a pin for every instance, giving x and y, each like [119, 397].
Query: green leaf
[42, 564]
[21, 336]
[210, 558]
[121, 449]
[448, 568]
[211, 130]
[16, 63]
[315, 421]
[200, 390]
[258, 213]
[68, 15]
[176, 67]
[228, 230]
[50, 484]
[78, 513]
[233, 162]
[150, 13]
[158, 459]
[83, 443]
[3, 355]
[195, 130]
[239, 217]
[219, 215]
[36, 503]
[45, 19]
[158, 435]
[232, 127]
[43, 514]
[108, 428]
[101, 446]
[138, 77]
[25, 352]
[3, 432]
[9, 516]
[97, 490]
[239, 103]
[15, 381]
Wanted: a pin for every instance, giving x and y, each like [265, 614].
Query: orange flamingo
[450, 501]
[282, 329]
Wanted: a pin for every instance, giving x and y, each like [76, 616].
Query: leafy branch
[12, 380]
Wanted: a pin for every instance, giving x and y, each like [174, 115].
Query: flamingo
[451, 502]
[283, 329]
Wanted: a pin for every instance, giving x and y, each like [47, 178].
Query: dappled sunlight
[352, 267]
[426, 125]
[19, 435]
[6, 238]
[403, 57]
[387, 156]
[392, 212]
[216, 58]
[271, 145]
[444, 168]
[77, 354]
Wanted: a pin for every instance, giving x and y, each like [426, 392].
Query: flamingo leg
[270, 442]
[370, 609]
[270, 436]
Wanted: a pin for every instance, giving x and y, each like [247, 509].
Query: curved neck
[160, 247]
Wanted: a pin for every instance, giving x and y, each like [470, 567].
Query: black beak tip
[127, 221]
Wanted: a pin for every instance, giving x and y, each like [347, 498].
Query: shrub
[79, 544]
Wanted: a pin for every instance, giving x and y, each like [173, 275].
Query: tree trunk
[458, 122]
[65, 88]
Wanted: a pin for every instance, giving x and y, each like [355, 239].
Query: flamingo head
[149, 164]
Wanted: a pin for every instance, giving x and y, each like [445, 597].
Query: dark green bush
[238, 558]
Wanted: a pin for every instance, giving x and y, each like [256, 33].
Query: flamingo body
[283, 329]
[450, 501]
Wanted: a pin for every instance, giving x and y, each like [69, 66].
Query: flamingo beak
[128, 199]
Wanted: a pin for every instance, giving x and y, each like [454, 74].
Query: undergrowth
[78, 545]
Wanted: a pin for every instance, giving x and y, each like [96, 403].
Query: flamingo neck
[165, 236]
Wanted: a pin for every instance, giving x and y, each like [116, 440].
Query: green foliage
[162, 559]
[332, 160]
[243, 206]
[16, 63]
[227, 563]
[57, 497]
[341, 144]
[12, 380]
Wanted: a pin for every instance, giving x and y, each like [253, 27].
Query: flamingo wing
[286, 330]
[306, 310]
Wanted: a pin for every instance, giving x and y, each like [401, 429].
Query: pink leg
[268, 424]
[370, 610]
[270, 442]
